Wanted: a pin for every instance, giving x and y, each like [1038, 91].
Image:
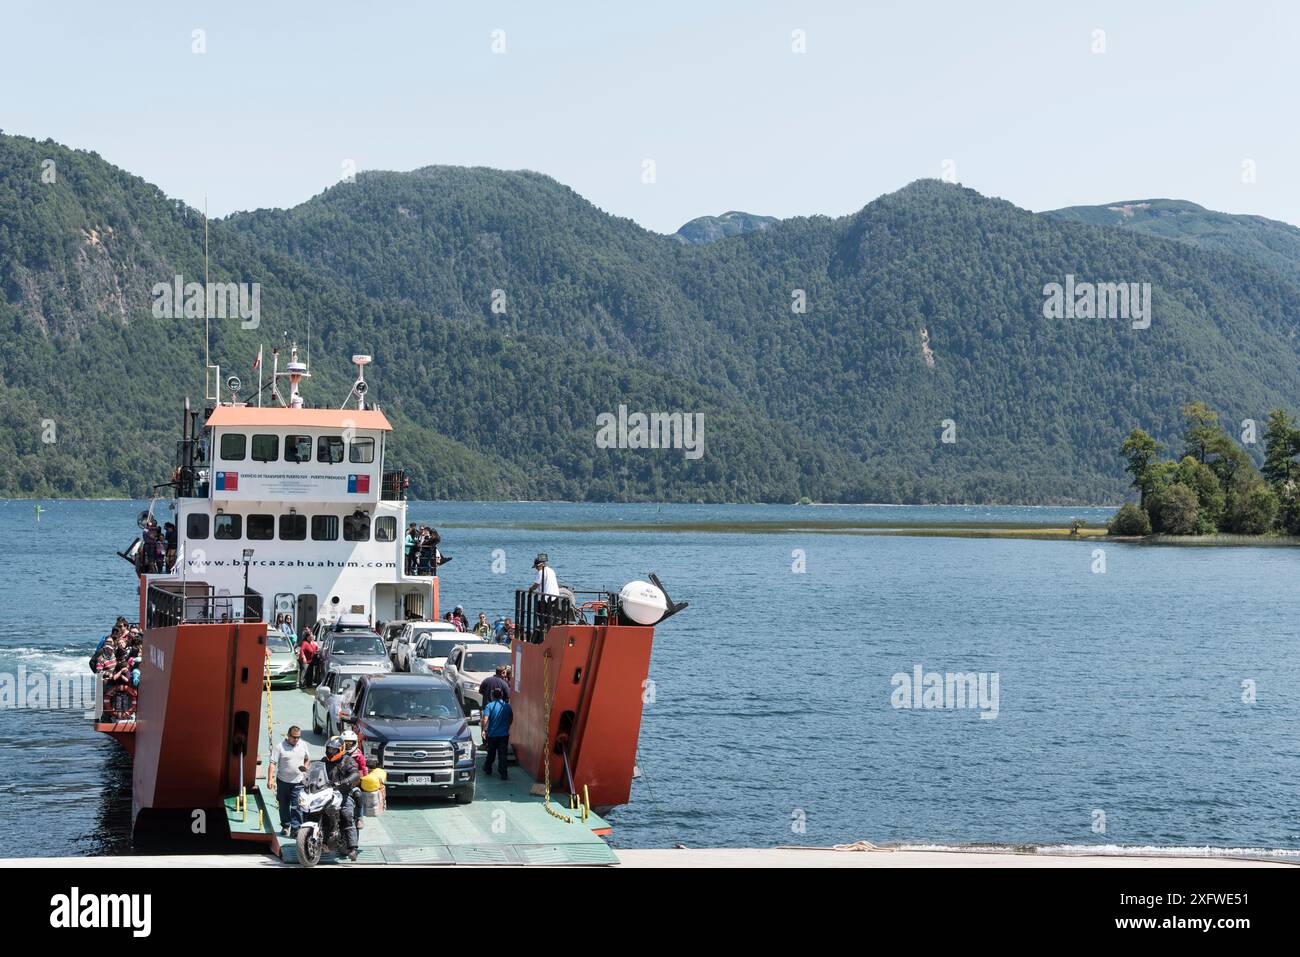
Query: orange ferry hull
[198, 715]
[598, 676]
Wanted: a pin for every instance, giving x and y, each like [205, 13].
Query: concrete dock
[728, 857]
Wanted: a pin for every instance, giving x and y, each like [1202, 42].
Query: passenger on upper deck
[427, 556]
[152, 556]
[169, 538]
[412, 539]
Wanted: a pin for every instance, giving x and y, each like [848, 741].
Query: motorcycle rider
[351, 742]
[344, 775]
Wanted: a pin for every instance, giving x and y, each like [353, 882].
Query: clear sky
[713, 92]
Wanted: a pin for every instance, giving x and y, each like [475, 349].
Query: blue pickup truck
[413, 727]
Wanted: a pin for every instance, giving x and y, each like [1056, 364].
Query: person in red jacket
[306, 656]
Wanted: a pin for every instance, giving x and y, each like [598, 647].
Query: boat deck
[506, 824]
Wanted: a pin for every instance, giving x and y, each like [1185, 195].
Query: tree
[1252, 507]
[1202, 431]
[1173, 510]
[1282, 442]
[1202, 480]
[1141, 450]
[1130, 520]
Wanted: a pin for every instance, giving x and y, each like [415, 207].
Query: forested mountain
[709, 229]
[830, 358]
[1269, 242]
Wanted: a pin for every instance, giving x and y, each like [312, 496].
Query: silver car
[333, 697]
[431, 653]
[410, 636]
[469, 665]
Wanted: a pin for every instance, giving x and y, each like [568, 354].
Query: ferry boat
[287, 509]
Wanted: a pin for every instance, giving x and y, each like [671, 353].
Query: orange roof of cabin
[228, 416]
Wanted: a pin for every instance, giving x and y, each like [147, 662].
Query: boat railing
[536, 613]
[172, 604]
[393, 486]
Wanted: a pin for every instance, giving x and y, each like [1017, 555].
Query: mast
[207, 358]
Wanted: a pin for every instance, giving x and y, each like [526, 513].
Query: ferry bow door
[306, 612]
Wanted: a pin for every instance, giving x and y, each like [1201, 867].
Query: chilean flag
[358, 484]
[227, 481]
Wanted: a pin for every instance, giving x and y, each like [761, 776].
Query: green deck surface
[504, 825]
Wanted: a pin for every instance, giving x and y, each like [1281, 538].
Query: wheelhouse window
[362, 451]
[324, 528]
[261, 528]
[266, 448]
[228, 527]
[297, 448]
[356, 527]
[329, 449]
[293, 528]
[196, 526]
[386, 528]
[234, 445]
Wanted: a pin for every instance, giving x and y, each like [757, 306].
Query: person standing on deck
[412, 533]
[286, 773]
[549, 587]
[497, 718]
[286, 627]
[306, 656]
[495, 682]
[482, 628]
[546, 580]
[169, 537]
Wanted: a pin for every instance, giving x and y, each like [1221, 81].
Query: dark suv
[413, 727]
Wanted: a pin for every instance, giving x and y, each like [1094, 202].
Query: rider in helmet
[344, 776]
[351, 745]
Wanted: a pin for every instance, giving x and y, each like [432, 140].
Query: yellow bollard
[586, 803]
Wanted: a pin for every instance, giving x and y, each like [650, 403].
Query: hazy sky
[713, 93]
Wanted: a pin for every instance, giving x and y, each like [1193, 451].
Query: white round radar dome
[642, 602]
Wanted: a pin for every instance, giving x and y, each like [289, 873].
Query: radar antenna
[359, 388]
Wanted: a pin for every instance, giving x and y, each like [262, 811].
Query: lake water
[1119, 693]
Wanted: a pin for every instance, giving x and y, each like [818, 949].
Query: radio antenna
[207, 358]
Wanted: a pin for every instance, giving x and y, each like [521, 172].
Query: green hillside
[1267, 241]
[924, 307]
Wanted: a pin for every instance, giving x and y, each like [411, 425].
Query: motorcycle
[321, 830]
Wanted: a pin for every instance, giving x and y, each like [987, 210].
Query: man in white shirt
[287, 773]
[549, 593]
[545, 578]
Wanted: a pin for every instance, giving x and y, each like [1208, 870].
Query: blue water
[1120, 693]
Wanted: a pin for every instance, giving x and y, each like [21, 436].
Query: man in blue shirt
[497, 718]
